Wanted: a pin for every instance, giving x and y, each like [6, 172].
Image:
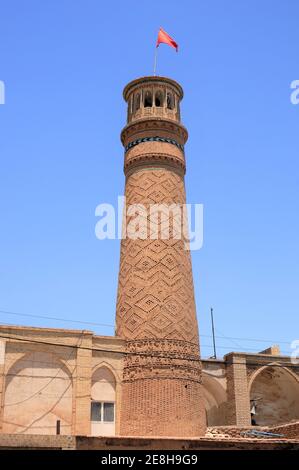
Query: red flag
[166, 39]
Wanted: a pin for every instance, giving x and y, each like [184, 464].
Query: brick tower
[161, 389]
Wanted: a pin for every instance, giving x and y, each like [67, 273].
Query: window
[137, 101]
[130, 106]
[102, 411]
[170, 101]
[108, 412]
[158, 99]
[148, 99]
[96, 411]
[178, 109]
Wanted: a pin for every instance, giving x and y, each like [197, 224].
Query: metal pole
[58, 427]
[155, 61]
[213, 332]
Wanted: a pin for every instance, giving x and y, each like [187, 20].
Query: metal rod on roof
[213, 333]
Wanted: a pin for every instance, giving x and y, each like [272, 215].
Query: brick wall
[289, 430]
[238, 403]
[32, 441]
[35, 442]
[122, 443]
[229, 432]
[73, 366]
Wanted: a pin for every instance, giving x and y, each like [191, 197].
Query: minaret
[161, 389]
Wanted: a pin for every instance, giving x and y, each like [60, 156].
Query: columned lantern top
[155, 96]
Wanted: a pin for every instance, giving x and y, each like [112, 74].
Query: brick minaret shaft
[161, 390]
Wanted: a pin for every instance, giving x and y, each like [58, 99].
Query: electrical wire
[134, 353]
[31, 315]
[80, 339]
[106, 325]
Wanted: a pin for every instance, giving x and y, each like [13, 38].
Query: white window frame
[102, 411]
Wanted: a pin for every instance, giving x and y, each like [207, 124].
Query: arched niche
[103, 384]
[103, 398]
[274, 390]
[38, 393]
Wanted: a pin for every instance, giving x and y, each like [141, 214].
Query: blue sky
[64, 64]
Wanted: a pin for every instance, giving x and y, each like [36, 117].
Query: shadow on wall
[215, 400]
[275, 394]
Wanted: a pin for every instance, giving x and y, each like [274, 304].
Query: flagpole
[155, 61]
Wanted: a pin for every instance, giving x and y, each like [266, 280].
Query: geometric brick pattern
[155, 277]
[161, 389]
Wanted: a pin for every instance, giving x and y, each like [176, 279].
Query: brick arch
[58, 359]
[38, 393]
[108, 366]
[275, 364]
[275, 390]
